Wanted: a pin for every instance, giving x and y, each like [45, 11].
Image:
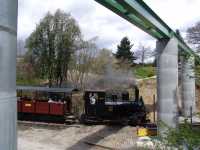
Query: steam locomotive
[104, 106]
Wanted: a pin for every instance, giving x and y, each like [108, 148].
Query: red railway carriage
[41, 107]
[28, 106]
[43, 104]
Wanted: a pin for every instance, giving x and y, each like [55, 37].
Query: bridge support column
[188, 85]
[8, 46]
[167, 81]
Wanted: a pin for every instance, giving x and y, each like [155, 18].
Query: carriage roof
[45, 89]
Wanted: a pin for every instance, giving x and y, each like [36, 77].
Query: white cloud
[95, 20]
[176, 13]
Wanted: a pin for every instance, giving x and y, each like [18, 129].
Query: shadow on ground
[95, 138]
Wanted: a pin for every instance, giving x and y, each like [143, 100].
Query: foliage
[124, 51]
[25, 73]
[184, 135]
[51, 45]
[103, 58]
[144, 71]
[82, 62]
[193, 37]
[20, 47]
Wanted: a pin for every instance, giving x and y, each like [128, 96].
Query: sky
[97, 21]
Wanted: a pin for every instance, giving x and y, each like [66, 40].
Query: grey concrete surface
[188, 85]
[8, 46]
[167, 81]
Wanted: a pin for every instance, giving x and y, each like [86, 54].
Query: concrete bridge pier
[8, 46]
[167, 81]
[188, 85]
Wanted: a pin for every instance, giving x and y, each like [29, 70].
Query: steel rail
[140, 14]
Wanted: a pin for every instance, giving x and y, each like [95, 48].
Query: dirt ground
[75, 137]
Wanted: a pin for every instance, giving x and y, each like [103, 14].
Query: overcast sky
[95, 20]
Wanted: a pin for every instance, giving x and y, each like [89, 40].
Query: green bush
[185, 133]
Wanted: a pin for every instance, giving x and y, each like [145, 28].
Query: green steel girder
[140, 14]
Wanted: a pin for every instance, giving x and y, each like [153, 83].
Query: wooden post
[154, 108]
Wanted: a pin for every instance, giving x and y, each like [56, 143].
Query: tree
[68, 37]
[193, 36]
[124, 51]
[82, 62]
[52, 44]
[143, 53]
[102, 59]
[20, 47]
[25, 72]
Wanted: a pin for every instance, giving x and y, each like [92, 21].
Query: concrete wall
[167, 81]
[188, 85]
[8, 45]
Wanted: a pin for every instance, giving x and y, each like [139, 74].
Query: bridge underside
[141, 15]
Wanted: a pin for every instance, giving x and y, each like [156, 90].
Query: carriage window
[109, 97]
[56, 96]
[29, 95]
[113, 97]
[42, 96]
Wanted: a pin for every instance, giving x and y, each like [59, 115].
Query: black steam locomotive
[105, 106]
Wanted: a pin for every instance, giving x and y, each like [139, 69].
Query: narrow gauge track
[48, 124]
[69, 119]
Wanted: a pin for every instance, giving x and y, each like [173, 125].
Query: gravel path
[34, 137]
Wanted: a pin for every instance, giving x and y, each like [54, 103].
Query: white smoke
[116, 79]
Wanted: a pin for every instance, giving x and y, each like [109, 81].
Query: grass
[144, 71]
